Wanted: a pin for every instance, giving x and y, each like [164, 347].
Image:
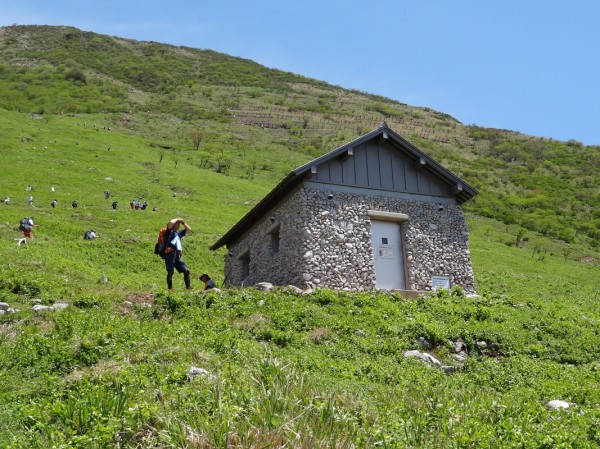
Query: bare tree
[197, 135]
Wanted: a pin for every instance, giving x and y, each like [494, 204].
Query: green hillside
[204, 136]
[257, 123]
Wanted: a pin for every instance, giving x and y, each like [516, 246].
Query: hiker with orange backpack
[173, 251]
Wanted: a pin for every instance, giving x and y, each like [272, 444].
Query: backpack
[24, 224]
[161, 248]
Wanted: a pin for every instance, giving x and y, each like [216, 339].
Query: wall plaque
[440, 282]
[386, 251]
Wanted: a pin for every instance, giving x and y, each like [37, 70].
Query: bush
[75, 75]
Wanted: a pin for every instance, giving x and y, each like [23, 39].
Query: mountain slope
[258, 123]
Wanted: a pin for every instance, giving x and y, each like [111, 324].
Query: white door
[389, 255]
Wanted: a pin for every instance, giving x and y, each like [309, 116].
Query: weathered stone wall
[279, 268]
[327, 242]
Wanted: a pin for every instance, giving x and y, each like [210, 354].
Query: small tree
[197, 135]
[520, 235]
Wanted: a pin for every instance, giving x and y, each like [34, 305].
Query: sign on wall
[440, 282]
[386, 251]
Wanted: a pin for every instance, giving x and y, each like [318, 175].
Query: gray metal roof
[463, 192]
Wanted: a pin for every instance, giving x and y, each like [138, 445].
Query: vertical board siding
[386, 170]
[323, 173]
[437, 187]
[381, 166]
[423, 181]
[336, 175]
[349, 171]
[399, 170]
[374, 177]
[411, 178]
[360, 166]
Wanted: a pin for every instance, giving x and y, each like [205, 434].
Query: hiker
[7, 200]
[208, 282]
[106, 194]
[30, 200]
[114, 205]
[144, 205]
[26, 225]
[74, 204]
[53, 203]
[173, 252]
[90, 235]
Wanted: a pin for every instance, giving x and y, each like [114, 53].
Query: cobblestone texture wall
[326, 242]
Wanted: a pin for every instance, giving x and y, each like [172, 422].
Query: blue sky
[526, 65]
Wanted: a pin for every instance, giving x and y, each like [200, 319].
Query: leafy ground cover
[322, 370]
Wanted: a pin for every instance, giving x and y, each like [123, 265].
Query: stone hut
[376, 213]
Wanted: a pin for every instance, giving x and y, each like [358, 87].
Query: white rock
[194, 372]
[425, 357]
[558, 404]
[4, 306]
[60, 305]
[264, 286]
[39, 307]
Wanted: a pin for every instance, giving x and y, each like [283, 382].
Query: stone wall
[325, 240]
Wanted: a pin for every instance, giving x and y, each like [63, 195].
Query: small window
[245, 264]
[274, 238]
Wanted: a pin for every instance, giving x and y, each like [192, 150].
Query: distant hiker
[144, 205]
[90, 235]
[132, 204]
[7, 201]
[52, 189]
[30, 200]
[114, 205]
[53, 203]
[29, 187]
[74, 204]
[173, 251]
[106, 194]
[208, 282]
[25, 225]
[154, 209]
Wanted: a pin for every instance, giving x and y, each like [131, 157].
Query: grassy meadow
[280, 369]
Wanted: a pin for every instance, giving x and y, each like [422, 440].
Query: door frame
[402, 220]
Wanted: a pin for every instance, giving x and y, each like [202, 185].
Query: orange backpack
[161, 248]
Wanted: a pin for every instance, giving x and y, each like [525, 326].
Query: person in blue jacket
[174, 251]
